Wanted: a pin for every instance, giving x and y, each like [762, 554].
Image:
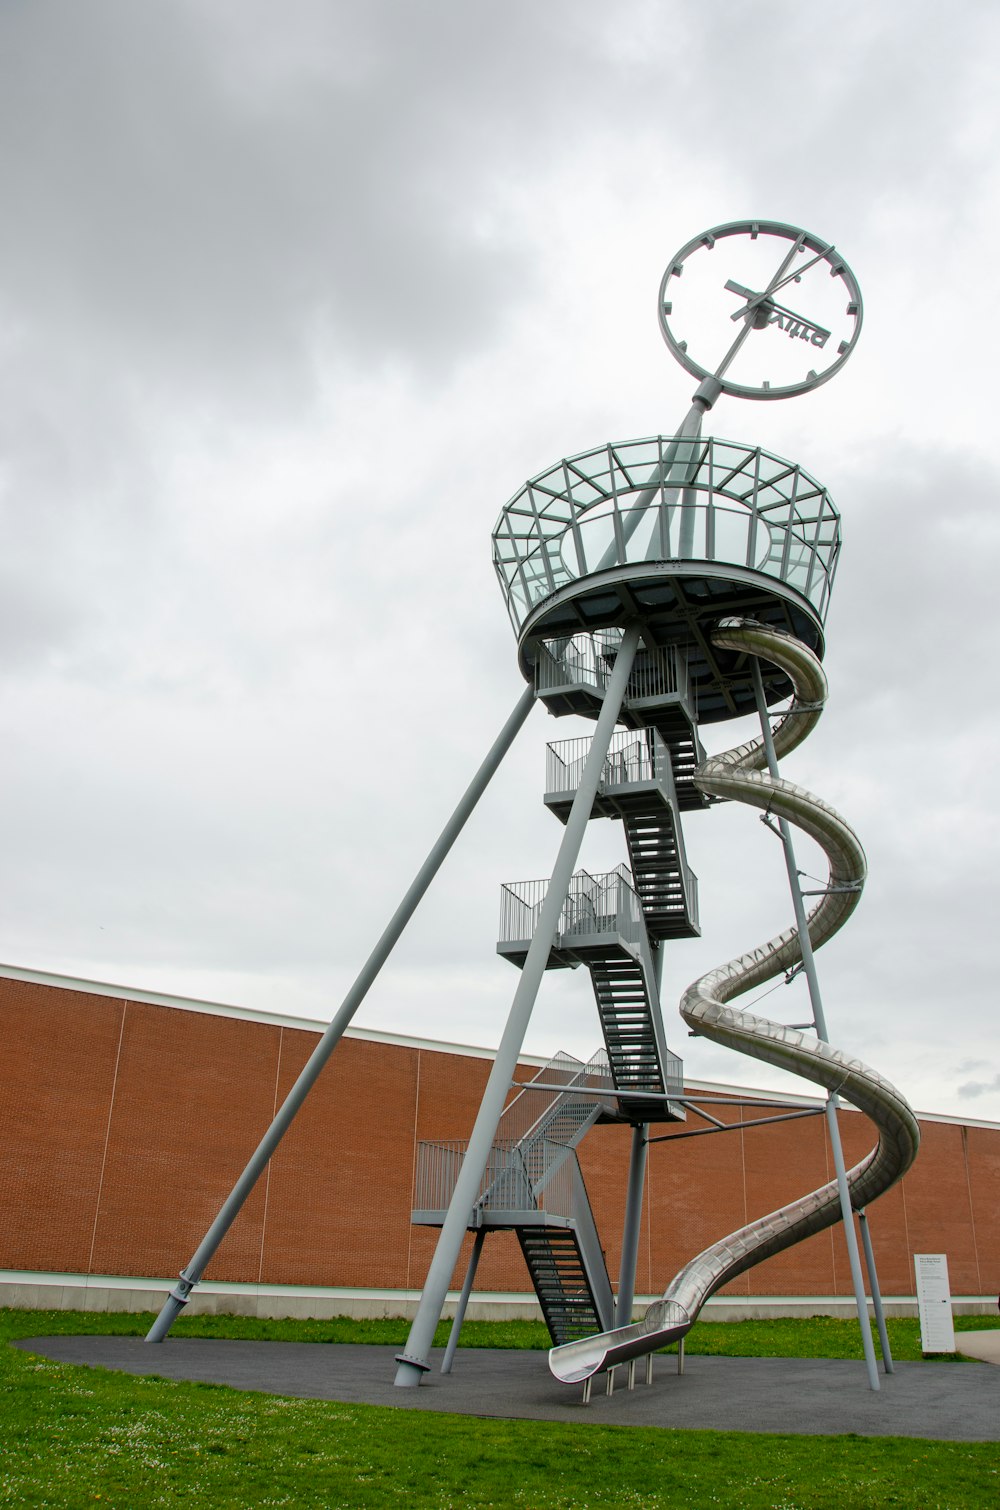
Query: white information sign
[937, 1332]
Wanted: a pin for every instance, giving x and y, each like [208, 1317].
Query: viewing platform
[678, 532]
[600, 913]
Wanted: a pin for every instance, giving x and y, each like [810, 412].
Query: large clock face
[769, 310]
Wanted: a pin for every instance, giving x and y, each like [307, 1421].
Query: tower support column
[463, 1301]
[632, 1225]
[873, 1285]
[413, 1362]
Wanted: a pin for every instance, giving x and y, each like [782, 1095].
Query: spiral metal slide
[739, 775]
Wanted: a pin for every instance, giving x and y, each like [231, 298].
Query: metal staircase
[638, 786]
[602, 926]
[559, 1277]
[623, 1008]
[614, 924]
[566, 1262]
[533, 1185]
[572, 673]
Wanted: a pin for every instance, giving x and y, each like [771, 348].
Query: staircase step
[555, 1264]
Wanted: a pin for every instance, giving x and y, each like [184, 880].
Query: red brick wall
[125, 1124]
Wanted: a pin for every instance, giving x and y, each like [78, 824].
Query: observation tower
[654, 586]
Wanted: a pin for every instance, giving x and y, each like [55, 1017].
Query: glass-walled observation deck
[679, 530]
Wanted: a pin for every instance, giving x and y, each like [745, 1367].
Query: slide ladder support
[819, 1022]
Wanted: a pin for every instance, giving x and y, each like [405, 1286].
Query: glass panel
[797, 567]
[597, 533]
[645, 540]
[569, 561]
[732, 531]
[639, 455]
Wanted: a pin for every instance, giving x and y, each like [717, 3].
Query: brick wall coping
[247, 1014]
[374, 1035]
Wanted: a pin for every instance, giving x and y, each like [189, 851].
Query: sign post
[937, 1333]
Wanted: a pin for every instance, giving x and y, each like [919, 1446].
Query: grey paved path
[982, 1345]
[952, 1401]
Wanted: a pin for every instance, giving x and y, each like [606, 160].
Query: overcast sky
[292, 299]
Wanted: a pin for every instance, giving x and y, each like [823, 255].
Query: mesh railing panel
[631, 758]
[594, 905]
[523, 1154]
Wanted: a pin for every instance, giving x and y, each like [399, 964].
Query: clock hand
[778, 281]
[757, 301]
[748, 324]
[773, 307]
[804, 268]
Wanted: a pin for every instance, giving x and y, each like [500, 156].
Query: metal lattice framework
[695, 509]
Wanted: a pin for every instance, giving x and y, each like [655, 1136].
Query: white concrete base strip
[37, 1290]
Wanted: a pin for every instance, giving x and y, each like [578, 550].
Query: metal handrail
[530, 1106]
[631, 758]
[524, 1157]
[594, 905]
[587, 660]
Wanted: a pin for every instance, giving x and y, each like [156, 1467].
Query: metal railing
[658, 673]
[631, 758]
[532, 1109]
[523, 1160]
[673, 1074]
[558, 1194]
[587, 660]
[582, 660]
[520, 905]
[505, 1180]
[594, 905]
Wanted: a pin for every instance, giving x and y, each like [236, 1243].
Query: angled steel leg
[633, 1221]
[412, 1363]
[819, 1020]
[191, 1275]
[463, 1302]
[873, 1285]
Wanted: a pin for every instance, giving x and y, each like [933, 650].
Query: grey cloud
[288, 305]
[168, 183]
[973, 1088]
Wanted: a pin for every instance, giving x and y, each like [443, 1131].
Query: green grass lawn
[72, 1437]
[812, 1337]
